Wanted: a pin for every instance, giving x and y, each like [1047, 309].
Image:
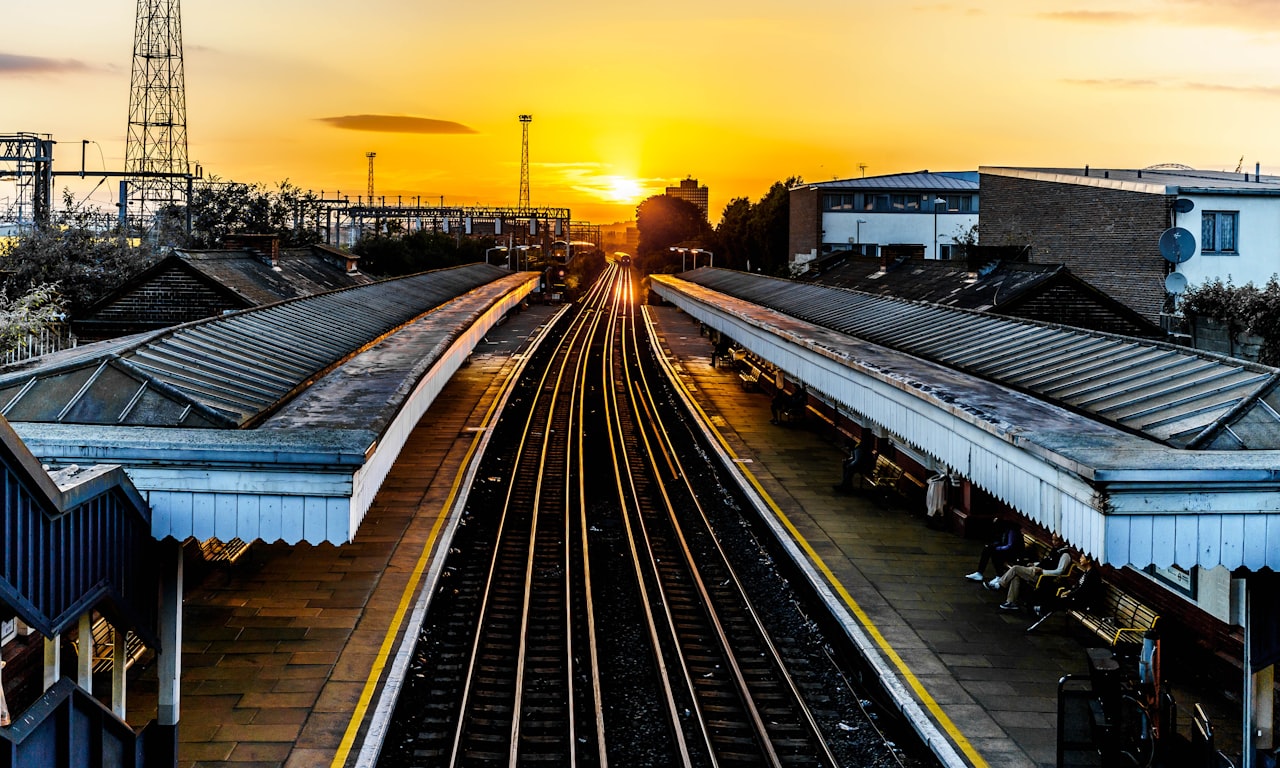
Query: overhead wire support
[156, 145]
[523, 203]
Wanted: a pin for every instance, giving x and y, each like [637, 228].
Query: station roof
[923, 181]
[223, 372]
[1168, 179]
[1179, 396]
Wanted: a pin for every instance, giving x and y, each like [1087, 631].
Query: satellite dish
[1177, 245]
[1183, 205]
[1175, 282]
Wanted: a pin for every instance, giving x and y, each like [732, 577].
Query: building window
[945, 251]
[1218, 231]
[838, 202]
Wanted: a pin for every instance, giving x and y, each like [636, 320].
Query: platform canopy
[1138, 452]
[274, 423]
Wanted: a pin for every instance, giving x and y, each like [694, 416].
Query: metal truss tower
[524, 161]
[370, 155]
[156, 148]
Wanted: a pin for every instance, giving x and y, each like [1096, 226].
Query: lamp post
[711, 257]
[857, 234]
[936, 202]
[488, 251]
[682, 252]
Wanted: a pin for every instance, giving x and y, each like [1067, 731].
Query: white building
[918, 214]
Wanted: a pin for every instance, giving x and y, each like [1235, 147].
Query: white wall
[895, 228]
[1258, 240]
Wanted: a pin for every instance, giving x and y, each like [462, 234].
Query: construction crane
[370, 155]
[1240, 164]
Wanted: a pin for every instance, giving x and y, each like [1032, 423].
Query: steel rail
[540, 414]
[641, 392]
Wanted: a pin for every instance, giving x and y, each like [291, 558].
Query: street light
[525, 250]
[711, 257]
[857, 233]
[488, 251]
[682, 252]
[936, 202]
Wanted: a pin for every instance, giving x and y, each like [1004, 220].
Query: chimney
[1086, 170]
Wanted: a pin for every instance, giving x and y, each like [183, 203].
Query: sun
[622, 189]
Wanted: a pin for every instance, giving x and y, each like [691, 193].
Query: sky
[629, 98]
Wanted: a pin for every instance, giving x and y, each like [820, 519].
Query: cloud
[15, 63]
[395, 124]
[1134, 83]
[1118, 82]
[1249, 15]
[1093, 17]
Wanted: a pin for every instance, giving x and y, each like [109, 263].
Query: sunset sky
[629, 98]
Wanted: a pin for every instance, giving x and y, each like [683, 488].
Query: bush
[1245, 309]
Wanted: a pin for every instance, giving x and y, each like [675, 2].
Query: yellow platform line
[406, 600]
[867, 624]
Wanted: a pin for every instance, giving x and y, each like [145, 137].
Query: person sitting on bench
[1056, 563]
[1002, 551]
[791, 405]
[1080, 594]
[860, 462]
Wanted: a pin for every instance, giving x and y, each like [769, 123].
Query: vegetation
[32, 312]
[73, 252]
[390, 253]
[1245, 309]
[750, 235]
[221, 208]
[663, 223]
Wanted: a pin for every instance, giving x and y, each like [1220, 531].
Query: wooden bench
[749, 377]
[1118, 618]
[104, 646]
[216, 551]
[885, 475]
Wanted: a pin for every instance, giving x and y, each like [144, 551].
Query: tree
[32, 312]
[221, 208]
[757, 235]
[663, 222]
[389, 255]
[75, 251]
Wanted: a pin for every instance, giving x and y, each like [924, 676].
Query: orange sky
[628, 100]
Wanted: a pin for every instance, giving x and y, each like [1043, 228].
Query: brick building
[1106, 225]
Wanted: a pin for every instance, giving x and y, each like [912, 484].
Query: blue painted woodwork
[68, 728]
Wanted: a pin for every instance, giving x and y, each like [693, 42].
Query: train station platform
[288, 650]
[983, 683]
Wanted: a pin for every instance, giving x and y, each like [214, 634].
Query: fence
[49, 339]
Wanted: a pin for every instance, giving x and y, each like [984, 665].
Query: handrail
[73, 541]
[45, 734]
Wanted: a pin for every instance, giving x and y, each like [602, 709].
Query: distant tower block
[524, 161]
[370, 155]
[157, 139]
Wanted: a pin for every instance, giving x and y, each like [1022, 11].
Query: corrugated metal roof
[1180, 396]
[919, 181]
[226, 371]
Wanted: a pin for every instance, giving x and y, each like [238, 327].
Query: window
[959, 204]
[945, 251]
[1218, 231]
[837, 202]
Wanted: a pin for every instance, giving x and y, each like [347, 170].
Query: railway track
[589, 613]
